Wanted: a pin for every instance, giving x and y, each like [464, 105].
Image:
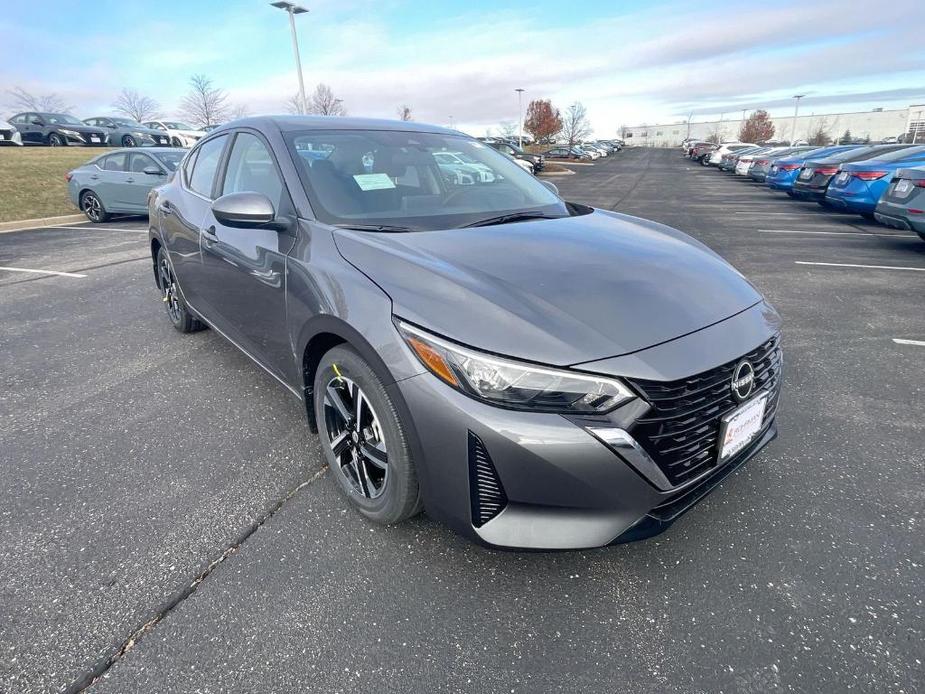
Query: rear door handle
[94, 177]
[129, 180]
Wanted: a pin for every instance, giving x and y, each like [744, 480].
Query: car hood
[560, 292]
[190, 133]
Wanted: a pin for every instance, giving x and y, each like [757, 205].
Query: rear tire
[128, 141]
[371, 460]
[92, 206]
[177, 311]
[55, 140]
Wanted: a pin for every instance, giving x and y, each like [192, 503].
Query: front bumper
[10, 137]
[550, 481]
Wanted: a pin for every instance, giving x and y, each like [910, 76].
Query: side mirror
[113, 126]
[551, 186]
[247, 211]
[152, 171]
[37, 121]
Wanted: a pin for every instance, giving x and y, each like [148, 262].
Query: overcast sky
[628, 62]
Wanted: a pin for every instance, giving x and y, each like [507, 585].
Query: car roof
[296, 123]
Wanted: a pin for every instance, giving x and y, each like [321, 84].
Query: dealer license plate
[903, 187]
[739, 428]
[94, 138]
[842, 177]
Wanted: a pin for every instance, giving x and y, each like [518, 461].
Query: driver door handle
[209, 235]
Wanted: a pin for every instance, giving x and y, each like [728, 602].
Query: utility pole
[292, 10]
[520, 117]
[796, 110]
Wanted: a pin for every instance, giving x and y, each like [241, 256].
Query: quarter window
[251, 169]
[205, 166]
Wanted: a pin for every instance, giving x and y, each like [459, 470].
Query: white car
[716, 156]
[463, 162]
[745, 163]
[525, 165]
[9, 135]
[181, 134]
[593, 147]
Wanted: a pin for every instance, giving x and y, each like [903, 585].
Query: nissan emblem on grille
[743, 380]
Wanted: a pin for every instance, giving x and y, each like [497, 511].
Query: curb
[24, 224]
[567, 172]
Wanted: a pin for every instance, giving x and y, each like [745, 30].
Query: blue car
[784, 172]
[859, 186]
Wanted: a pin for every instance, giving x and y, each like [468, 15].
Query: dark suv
[57, 130]
[538, 160]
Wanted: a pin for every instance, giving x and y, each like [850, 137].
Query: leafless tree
[294, 105]
[507, 128]
[575, 124]
[404, 112]
[136, 106]
[27, 101]
[324, 103]
[204, 104]
[239, 111]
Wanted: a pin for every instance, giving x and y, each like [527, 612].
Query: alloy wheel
[129, 141]
[355, 436]
[92, 207]
[169, 290]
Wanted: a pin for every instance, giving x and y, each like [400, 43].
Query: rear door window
[206, 164]
[115, 162]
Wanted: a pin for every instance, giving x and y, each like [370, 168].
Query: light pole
[292, 10]
[520, 117]
[451, 122]
[796, 109]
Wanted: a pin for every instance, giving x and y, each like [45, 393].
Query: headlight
[70, 133]
[514, 384]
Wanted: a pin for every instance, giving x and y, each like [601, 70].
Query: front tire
[177, 311]
[55, 140]
[363, 438]
[92, 206]
[128, 141]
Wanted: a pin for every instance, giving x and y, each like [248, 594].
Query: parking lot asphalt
[167, 521]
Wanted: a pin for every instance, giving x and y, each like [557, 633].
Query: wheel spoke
[358, 399]
[336, 399]
[361, 478]
[340, 444]
[374, 454]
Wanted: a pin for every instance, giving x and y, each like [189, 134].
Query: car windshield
[387, 178]
[128, 122]
[169, 159]
[62, 119]
[177, 125]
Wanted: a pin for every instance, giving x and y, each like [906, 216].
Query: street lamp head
[289, 7]
[519, 89]
[798, 96]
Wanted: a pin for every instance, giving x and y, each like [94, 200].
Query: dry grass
[32, 180]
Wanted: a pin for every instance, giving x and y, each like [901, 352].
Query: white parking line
[870, 267]
[42, 272]
[95, 228]
[917, 343]
[827, 233]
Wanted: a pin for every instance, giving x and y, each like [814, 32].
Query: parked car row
[62, 129]
[588, 150]
[881, 182]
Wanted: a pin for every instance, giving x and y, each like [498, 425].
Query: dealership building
[876, 125]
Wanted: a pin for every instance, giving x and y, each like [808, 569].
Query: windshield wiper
[391, 228]
[507, 218]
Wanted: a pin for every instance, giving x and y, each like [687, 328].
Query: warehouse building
[875, 125]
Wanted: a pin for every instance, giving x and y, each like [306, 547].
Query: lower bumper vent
[485, 490]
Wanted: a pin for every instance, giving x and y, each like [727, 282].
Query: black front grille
[681, 431]
[487, 494]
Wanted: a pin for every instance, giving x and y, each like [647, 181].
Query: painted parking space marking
[917, 343]
[831, 233]
[867, 267]
[95, 228]
[42, 272]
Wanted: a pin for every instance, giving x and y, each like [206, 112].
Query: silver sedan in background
[118, 182]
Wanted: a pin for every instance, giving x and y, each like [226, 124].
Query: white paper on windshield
[373, 181]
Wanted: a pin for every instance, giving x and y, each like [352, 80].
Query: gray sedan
[118, 182]
[128, 133]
